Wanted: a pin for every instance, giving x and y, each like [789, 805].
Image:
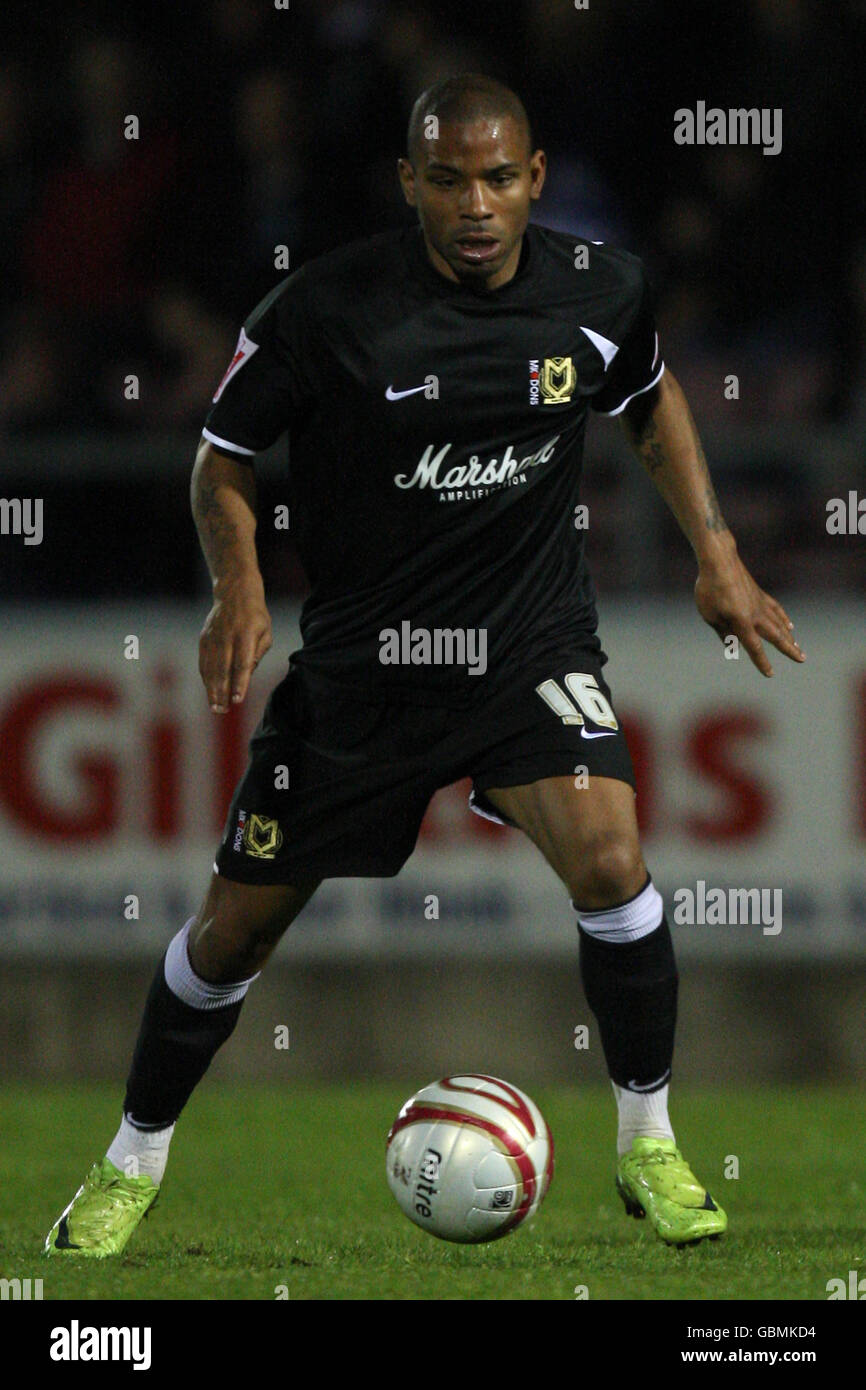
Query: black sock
[631, 988]
[176, 1044]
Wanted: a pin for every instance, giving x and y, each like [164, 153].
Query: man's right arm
[237, 631]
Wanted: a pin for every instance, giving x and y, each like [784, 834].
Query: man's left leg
[589, 836]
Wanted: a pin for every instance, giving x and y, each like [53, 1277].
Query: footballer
[435, 383]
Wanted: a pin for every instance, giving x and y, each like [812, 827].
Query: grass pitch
[272, 1189]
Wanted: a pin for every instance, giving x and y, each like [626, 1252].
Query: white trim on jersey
[605, 346]
[648, 387]
[226, 444]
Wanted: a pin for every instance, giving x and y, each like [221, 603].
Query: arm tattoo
[714, 519]
[650, 446]
[654, 457]
[219, 534]
[713, 516]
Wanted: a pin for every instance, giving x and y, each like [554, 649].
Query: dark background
[261, 127]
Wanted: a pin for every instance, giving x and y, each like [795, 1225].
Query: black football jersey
[435, 444]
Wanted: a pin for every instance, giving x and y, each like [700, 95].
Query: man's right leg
[196, 998]
[191, 1010]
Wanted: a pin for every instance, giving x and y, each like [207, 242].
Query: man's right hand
[235, 637]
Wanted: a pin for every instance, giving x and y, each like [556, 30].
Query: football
[469, 1158]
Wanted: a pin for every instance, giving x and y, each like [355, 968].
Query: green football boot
[654, 1180]
[102, 1215]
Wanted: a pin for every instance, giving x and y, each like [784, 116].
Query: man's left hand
[732, 603]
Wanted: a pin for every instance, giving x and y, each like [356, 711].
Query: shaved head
[462, 100]
[472, 173]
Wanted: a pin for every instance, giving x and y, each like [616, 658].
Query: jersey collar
[422, 271]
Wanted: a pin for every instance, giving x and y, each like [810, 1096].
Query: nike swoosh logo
[601, 733]
[63, 1242]
[653, 1085]
[392, 395]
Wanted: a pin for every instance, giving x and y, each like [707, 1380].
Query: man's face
[472, 187]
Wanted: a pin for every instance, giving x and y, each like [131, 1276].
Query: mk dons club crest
[558, 380]
[553, 382]
[262, 837]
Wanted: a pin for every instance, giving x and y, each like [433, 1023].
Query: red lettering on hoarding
[448, 819]
[640, 745]
[164, 762]
[710, 750]
[152, 770]
[97, 810]
[231, 757]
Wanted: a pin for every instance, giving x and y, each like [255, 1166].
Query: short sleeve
[265, 389]
[638, 365]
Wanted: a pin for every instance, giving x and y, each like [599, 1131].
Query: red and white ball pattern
[469, 1158]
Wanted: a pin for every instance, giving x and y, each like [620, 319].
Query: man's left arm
[659, 426]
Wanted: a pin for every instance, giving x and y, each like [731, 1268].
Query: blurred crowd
[261, 125]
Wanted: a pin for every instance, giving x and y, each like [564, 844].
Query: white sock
[189, 987]
[641, 1114]
[140, 1153]
[629, 922]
